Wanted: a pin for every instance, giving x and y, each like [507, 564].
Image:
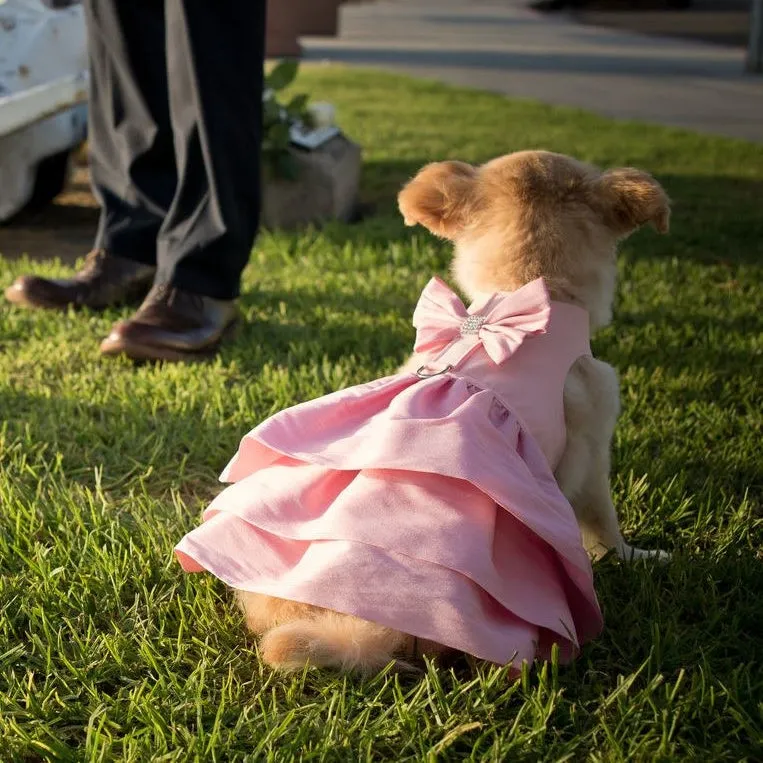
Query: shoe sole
[142, 353]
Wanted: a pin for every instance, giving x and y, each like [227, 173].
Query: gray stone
[326, 187]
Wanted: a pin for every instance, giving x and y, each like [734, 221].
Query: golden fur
[522, 216]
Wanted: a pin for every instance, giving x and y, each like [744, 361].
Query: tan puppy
[523, 216]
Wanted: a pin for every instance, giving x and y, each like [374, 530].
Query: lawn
[109, 652]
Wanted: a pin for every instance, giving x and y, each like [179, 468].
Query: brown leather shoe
[173, 325]
[104, 280]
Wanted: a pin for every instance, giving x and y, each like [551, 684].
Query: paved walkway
[500, 45]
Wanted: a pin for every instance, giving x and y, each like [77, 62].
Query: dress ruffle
[423, 505]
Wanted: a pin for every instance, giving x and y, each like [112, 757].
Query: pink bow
[499, 321]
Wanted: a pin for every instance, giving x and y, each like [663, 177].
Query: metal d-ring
[422, 375]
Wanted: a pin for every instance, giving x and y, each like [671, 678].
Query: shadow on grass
[64, 231]
[695, 355]
[125, 439]
[623, 63]
[306, 300]
[696, 608]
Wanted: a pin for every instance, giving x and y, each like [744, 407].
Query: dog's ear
[441, 198]
[631, 198]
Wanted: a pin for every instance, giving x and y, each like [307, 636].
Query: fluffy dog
[521, 217]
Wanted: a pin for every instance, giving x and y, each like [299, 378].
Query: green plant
[278, 117]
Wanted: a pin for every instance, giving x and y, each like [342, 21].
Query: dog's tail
[334, 640]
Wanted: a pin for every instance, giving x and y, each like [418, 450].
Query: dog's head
[536, 214]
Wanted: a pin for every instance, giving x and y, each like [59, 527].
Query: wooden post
[755, 48]
[320, 18]
[282, 29]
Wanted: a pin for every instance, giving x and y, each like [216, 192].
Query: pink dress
[424, 501]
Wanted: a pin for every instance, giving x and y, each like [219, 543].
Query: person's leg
[132, 158]
[215, 57]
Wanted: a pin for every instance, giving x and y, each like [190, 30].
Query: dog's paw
[632, 554]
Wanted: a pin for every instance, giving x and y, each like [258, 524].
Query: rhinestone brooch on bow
[472, 324]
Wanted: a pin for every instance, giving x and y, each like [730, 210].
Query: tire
[50, 179]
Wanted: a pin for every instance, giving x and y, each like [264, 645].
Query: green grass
[109, 652]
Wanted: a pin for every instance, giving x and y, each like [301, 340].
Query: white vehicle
[43, 99]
